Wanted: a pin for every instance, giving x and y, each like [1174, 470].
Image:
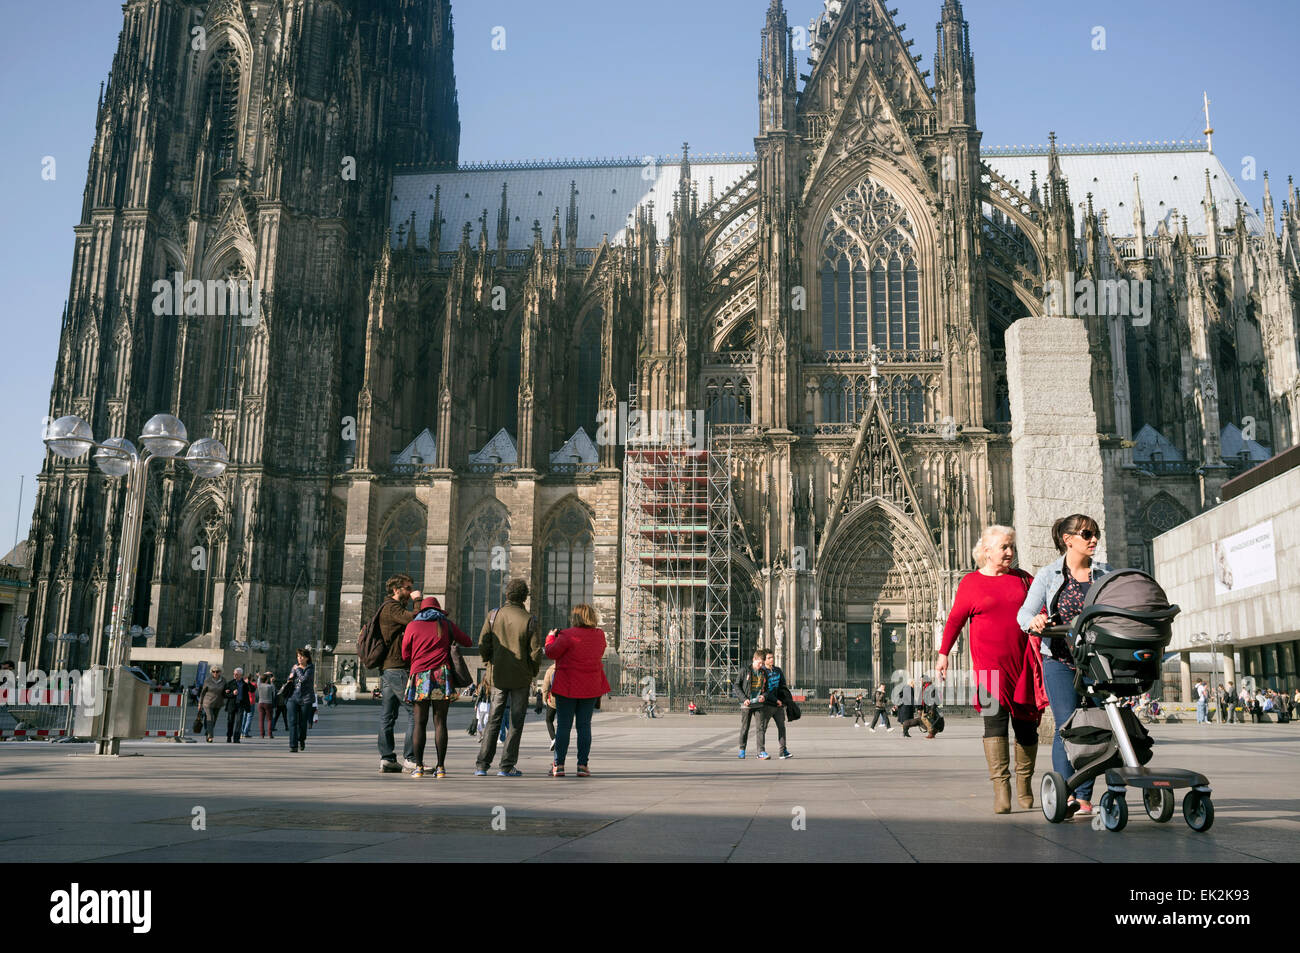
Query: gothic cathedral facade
[435, 379]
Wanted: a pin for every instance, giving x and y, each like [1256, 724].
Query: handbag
[286, 690]
[198, 723]
[459, 670]
[792, 711]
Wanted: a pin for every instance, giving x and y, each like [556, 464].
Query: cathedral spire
[777, 74]
[1211, 217]
[503, 222]
[954, 67]
[1270, 213]
[1139, 218]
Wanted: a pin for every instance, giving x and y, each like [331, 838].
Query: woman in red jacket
[426, 649]
[1008, 671]
[579, 681]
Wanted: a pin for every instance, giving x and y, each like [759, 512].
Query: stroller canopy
[1131, 590]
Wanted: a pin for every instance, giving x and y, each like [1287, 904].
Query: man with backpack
[511, 644]
[392, 619]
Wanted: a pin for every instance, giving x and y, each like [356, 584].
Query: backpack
[371, 649]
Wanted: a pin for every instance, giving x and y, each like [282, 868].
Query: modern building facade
[831, 308]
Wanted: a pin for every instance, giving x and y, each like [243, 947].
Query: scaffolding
[677, 517]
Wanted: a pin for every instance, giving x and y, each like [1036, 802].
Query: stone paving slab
[671, 789]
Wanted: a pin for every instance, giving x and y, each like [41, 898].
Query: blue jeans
[1059, 680]
[567, 710]
[393, 682]
[1202, 711]
[299, 719]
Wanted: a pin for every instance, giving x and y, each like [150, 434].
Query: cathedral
[450, 362]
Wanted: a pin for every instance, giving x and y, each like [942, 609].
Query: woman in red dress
[1008, 671]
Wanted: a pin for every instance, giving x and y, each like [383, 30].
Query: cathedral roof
[609, 192]
[1172, 183]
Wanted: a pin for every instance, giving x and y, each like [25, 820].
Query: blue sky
[591, 78]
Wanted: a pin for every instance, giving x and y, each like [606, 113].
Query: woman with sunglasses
[1055, 598]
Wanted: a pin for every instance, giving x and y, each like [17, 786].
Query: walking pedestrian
[859, 716]
[881, 704]
[266, 706]
[236, 694]
[750, 688]
[212, 697]
[426, 649]
[250, 689]
[1057, 595]
[1202, 699]
[301, 699]
[512, 645]
[579, 681]
[778, 693]
[1230, 697]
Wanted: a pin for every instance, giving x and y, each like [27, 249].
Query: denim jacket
[1042, 594]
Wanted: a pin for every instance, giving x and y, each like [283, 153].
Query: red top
[578, 654]
[1007, 666]
[426, 644]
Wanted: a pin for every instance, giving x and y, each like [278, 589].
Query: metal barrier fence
[35, 713]
[165, 715]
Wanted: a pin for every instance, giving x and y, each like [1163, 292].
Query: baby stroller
[1119, 641]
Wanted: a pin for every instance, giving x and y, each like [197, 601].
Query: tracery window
[588, 377]
[401, 548]
[569, 558]
[231, 336]
[870, 281]
[484, 568]
[223, 107]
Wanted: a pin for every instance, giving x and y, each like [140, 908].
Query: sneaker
[742, 754]
[557, 771]
[408, 765]
[417, 772]
[583, 771]
[512, 773]
[856, 725]
[889, 730]
[873, 728]
[763, 756]
[786, 755]
[439, 772]
[480, 773]
[389, 767]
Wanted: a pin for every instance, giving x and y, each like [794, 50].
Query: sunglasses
[1088, 535]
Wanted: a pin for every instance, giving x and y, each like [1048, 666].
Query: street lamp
[164, 436]
[1213, 641]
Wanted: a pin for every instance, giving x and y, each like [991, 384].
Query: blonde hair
[981, 547]
[584, 616]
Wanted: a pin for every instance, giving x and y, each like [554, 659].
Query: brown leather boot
[1026, 756]
[998, 754]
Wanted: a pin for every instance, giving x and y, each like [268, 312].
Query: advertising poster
[1244, 560]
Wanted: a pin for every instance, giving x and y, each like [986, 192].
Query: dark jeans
[299, 719]
[393, 682]
[771, 712]
[880, 713]
[746, 716]
[281, 714]
[567, 711]
[1059, 679]
[517, 700]
[234, 722]
[550, 722]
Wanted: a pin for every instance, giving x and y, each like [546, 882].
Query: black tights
[995, 726]
[439, 728]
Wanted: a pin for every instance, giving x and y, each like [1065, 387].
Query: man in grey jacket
[511, 644]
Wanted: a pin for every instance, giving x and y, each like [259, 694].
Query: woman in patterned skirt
[426, 648]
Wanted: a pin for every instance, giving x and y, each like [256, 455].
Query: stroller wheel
[1053, 796]
[1114, 811]
[1159, 803]
[1198, 811]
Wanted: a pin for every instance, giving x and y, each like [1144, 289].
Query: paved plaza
[670, 789]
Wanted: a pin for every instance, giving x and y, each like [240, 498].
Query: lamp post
[164, 437]
[1213, 641]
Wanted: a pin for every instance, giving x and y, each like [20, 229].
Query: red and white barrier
[165, 699]
[34, 733]
[24, 696]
